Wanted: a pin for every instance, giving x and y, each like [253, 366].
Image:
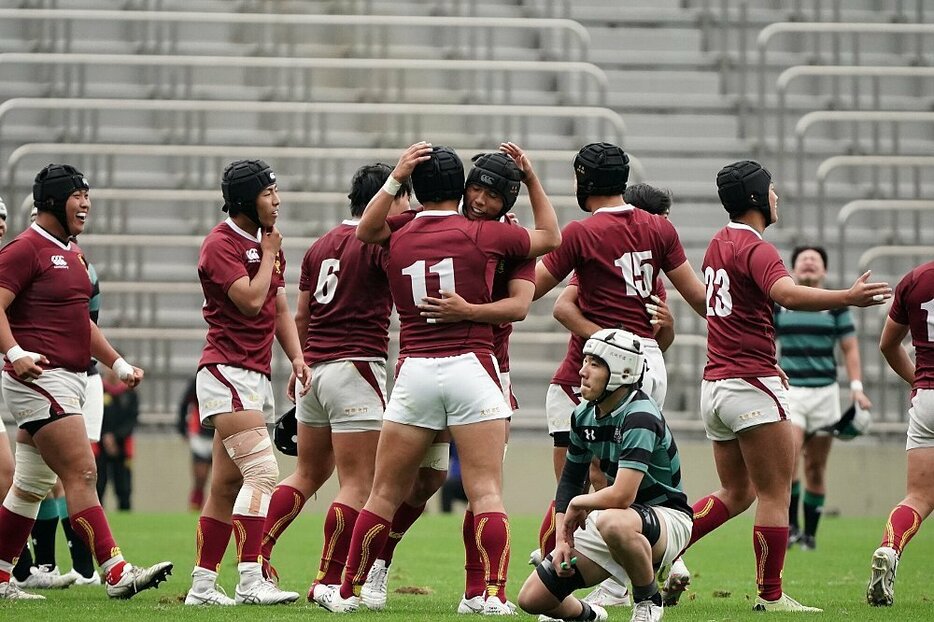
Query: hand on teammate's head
[413, 156]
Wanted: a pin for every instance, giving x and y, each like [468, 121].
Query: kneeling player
[637, 523]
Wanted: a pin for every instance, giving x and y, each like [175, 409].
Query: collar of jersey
[352, 222]
[239, 231]
[436, 212]
[742, 225]
[625, 207]
[48, 236]
[619, 407]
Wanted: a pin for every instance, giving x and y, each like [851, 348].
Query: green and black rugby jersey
[807, 340]
[633, 436]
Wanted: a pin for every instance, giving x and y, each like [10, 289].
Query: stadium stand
[684, 85]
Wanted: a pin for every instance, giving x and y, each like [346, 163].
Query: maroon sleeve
[223, 263]
[765, 266]
[524, 270]
[400, 220]
[574, 280]
[560, 261]
[674, 251]
[18, 266]
[497, 238]
[899, 311]
[304, 281]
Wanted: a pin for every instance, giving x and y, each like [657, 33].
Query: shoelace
[643, 612]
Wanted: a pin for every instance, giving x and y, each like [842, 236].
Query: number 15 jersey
[740, 269]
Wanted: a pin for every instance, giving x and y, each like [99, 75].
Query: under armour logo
[59, 261]
[590, 434]
[252, 255]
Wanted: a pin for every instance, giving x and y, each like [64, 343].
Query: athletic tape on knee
[251, 451]
[560, 587]
[438, 457]
[32, 475]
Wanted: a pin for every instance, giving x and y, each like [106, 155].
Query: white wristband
[391, 187]
[17, 352]
[123, 369]
[856, 385]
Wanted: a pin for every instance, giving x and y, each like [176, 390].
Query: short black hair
[367, 181]
[808, 247]
[649, 198]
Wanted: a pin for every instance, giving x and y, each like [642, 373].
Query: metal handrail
[810, 119]
[869, 205]
[567, 29]
[835, 163]
[313, 125]
[785, 79]
[780, 28]
[586, 70]
[322, 155]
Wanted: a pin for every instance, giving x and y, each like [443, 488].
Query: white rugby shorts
[589, 543]
[813, 408]
[226, 389]
[921, 420]
[732, 405]
[437, 392]
[57, 389]
[347, 395]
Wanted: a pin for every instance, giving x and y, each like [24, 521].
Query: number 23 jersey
[740, 269]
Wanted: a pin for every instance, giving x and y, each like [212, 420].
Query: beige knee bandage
[251, 451]
[32, 481]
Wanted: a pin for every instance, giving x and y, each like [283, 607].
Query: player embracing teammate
[447, 374]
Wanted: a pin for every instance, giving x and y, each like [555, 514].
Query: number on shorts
[327, 281]
[719, 300]
[444, 269]
[928, 308]
[637, 272]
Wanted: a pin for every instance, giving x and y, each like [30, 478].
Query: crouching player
[641, 520]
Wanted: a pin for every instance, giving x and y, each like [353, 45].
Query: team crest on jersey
[59, 261]
[618, 435]
[278, 266]
[252, 255]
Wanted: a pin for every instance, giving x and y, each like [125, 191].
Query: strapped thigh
[560, 587]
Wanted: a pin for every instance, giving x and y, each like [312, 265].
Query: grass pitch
[431, 558]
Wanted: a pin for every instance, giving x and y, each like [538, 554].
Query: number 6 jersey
[740, 269]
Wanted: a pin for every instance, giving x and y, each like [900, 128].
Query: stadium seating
[679, 80]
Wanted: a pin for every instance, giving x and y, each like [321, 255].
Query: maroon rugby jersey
[740, 269]
[617, 254]
[913, 306]
[349, 301]
[443, 250]
[229, 253]
[568, 373]
[50, 312]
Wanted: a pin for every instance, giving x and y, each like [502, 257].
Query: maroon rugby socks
[709, 513]
[770, 544]
[492, 534]
[284, 506]
[402, 520]
[211, 540]
[473, 566]
[338, 529]
[901, 527]
[370, 534]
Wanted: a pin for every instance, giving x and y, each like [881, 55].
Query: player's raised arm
[546, 236]
[800, 298]
[372, 227]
